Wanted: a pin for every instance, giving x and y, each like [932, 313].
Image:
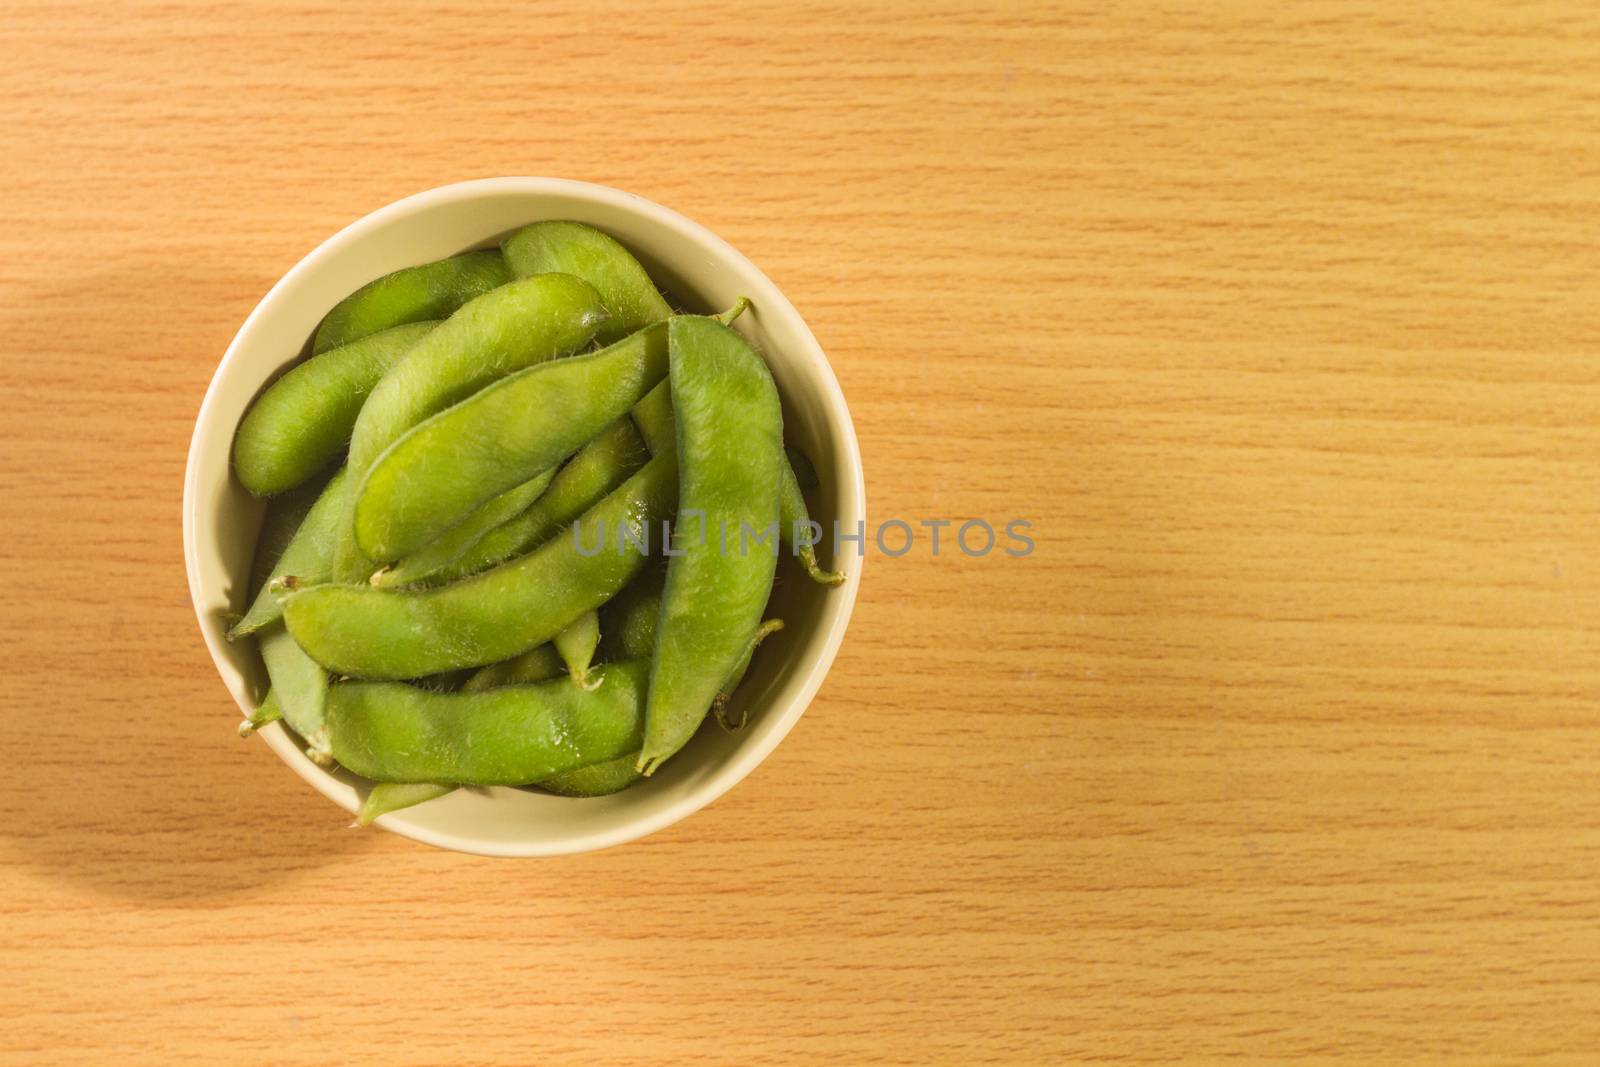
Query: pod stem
[740, 306]
[719, 706]
[249, 727]
[808, 560]
[270, 711]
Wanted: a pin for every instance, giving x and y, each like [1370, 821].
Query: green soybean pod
[513, 735]
[599, 467]
[597, 258]
[283, 518]
[628, 625]
[535, 665]
[628, 620]
[308, 557]
[303, 420]
[449, 464]
[576, 644]
[793, 516]
[385, 797]
[460, 538]
[729, 684]
[270, 711]
[498, 333]
[367, 632]
[414, 294]
[653, 413]
[300, 687]
[595, 780]
[653, 416]
[730, 453]
[539, 664]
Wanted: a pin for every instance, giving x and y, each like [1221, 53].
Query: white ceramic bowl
[220, 520]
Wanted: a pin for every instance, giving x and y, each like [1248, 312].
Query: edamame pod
[460, 538]
[765, 630]
[793, 516]
[498, 333]
[730, 450]
[576, 644]
[653, 416]
[415, 294]
[535, 665]
[302, 422]
[539, 664]
[599, 467]
[270, 711]
[385, 797]
[368, 632]
[597, 258]
[300, 686]
[595, 780]
[653, 413]
[307, 557]
[510, 431]
[628, 620]
[628, 628]
[281, 522]
[514, 735]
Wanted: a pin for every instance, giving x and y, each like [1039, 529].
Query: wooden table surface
[1278, 321]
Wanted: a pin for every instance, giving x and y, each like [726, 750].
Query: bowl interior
[697, 269]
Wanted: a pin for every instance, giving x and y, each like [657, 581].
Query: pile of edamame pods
[480, 592]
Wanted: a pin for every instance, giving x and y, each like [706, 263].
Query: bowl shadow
[124, 774]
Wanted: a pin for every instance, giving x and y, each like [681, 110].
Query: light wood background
[1279, 322]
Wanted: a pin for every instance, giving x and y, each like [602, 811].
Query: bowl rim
[765, 294]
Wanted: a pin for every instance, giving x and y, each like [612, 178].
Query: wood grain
[1276, 320]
